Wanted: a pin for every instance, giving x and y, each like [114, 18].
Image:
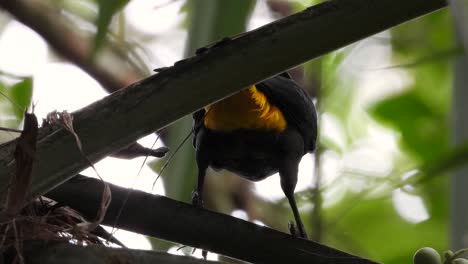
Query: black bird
[263, 129]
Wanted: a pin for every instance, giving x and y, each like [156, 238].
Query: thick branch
[59, 253]
[164, 218]
[47, 22]
[126, 115]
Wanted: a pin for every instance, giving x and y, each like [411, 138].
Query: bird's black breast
[250, 154]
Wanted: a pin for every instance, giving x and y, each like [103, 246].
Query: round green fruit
[427, 255]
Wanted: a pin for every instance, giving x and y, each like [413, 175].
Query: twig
[168, 161]
[65, 120]
[10, 129]
[19, 253]
[127, 195]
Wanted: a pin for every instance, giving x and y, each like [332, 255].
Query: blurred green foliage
[106, 10]
[14, 101]
[418, 122]
[419, 115]
[21, 94]
[365, 229]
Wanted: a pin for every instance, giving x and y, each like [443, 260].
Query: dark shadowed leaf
[24, 157]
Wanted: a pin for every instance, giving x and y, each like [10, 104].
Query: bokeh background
[379, 184]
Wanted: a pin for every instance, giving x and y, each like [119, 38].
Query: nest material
[45, 220]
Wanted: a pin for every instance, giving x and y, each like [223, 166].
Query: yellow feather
[248, 109]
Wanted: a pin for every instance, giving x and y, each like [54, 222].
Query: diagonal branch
[165, 218]
[58, 253]
[126, 115]
[49, 23]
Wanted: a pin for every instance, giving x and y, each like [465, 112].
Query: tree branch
[171, 220]
[58, 253]
[126, 115]
[48, 22]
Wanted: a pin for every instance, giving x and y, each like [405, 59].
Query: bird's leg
[197, 194]
[288, 173]
[297, 217]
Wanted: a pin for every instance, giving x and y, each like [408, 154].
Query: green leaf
[107, 9]
[211, 20]
[435, 31]
[161, 244]
[300, 5]
[449, 161]
[337, 96]
[14, 101]
[419, 124]
[180, 175]
[21, 94]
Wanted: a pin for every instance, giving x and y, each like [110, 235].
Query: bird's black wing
[197, 123]
[295, 104]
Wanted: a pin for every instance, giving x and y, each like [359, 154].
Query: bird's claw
[197, 200]
[292, 229]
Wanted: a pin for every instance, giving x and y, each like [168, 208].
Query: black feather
[295, 104]
[197, 123]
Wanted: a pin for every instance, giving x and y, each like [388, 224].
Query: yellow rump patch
[248, 109]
